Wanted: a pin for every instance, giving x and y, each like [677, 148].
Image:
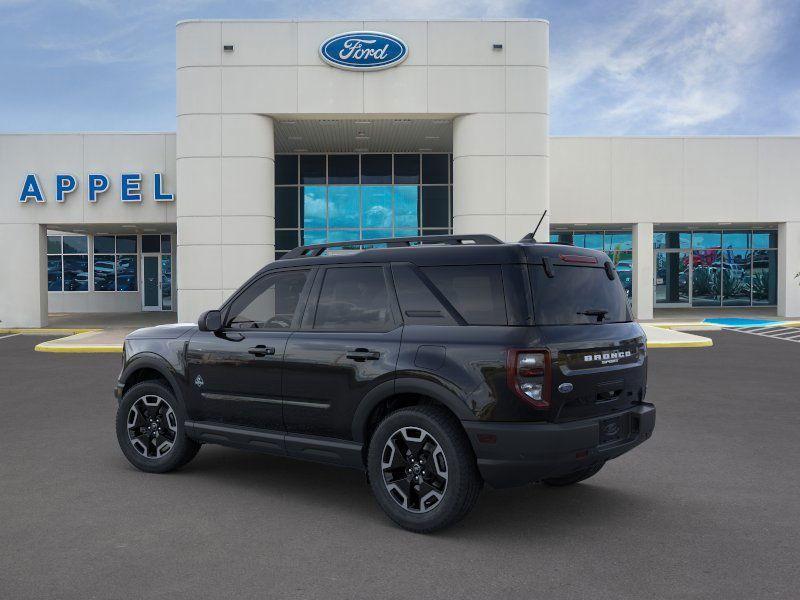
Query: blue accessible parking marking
[742, 322]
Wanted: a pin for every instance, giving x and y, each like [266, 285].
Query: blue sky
[617, 67]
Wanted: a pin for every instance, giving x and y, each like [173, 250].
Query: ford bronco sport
[433, 364]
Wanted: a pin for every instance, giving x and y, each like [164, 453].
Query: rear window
[475, 291]
[577, 295]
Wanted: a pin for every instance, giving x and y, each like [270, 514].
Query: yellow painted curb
[46, 331]
[704, 343]
[46, 347]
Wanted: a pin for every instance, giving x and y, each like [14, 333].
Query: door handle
[362, 354]
[261, 350]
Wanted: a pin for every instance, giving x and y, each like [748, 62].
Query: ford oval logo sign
[363, 51]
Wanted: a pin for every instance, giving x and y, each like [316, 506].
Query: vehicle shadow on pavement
[533, 510]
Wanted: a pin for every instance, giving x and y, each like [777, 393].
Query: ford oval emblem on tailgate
[565, 388]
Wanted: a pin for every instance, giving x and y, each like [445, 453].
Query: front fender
[156, 362]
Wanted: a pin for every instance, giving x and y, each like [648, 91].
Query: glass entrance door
[151, 282]
[673, 279]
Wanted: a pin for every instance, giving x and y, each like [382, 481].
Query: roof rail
[314, 250]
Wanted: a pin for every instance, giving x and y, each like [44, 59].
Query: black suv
[434, 364]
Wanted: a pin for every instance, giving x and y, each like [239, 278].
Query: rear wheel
[574, 477]
[422, 469]
[150, 429]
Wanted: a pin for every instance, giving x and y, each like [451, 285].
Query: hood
[162, 332]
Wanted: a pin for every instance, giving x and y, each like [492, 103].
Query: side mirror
[211, 320]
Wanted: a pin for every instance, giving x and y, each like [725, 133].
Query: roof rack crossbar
[314, 250]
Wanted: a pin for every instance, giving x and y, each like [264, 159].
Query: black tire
[182, 448]
[574, 477]
[463, 481]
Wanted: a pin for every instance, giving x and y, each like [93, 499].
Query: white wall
[675, 180]
[23, 301]
[682, 181]
[227, 100]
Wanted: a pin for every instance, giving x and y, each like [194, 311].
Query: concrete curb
[87, 349]
[46, 331]
[704, 343]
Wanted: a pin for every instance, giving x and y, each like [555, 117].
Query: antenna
[531, 237]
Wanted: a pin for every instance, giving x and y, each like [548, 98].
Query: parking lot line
[790, 334]
[2, 337]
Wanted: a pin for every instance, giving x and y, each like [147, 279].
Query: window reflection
[343, 206]
[672, 278]
[76, 273]
[736, 277]
[377, 206]
[706, 277]
[765, 277]
[399, 195]
[54, 278]
[104, 272]
[313, 206]
[406, 211]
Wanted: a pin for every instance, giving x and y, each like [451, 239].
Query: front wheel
[150, 429]
[422, 469]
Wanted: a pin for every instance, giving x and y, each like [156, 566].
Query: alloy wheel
[152, 426]
[414, 469]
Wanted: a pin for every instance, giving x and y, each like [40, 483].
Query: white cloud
[669, 69]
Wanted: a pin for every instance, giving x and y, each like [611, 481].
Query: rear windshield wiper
[595, 312]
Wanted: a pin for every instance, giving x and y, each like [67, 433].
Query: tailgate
[596, 369]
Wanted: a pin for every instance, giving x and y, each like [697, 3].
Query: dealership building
[306, 132]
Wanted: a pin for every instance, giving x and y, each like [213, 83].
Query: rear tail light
[529, 376]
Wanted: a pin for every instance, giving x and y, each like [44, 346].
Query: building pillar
[788, 267]
[226, 208]
[643, 271]
[23, 301]
[501, 174]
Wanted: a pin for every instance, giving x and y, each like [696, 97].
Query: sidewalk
[86, 333]
[92, 332]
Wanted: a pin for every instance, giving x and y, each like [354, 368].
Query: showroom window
[115, 263]
[617, 244]
[67, 263]
[323, 198]
[716, 267]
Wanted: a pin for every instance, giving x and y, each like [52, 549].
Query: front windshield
[577, 295]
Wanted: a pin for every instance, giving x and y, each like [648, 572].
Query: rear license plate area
[613, 430]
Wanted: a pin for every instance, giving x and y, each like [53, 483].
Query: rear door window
[475, 291]
[577, 295]
[354, 299]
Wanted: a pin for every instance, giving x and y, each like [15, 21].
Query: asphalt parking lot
[708, 508]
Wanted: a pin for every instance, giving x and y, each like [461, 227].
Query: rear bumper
[526, 452]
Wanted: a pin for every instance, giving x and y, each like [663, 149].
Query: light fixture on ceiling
[426, 149]
[301, 150]
[295, 137]
[432, 137]
[361, 150]
[402, 121]
[128, 226]
[288, 122]
[728, 223]
[363, 122]
[441, 121]
[329, 121]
